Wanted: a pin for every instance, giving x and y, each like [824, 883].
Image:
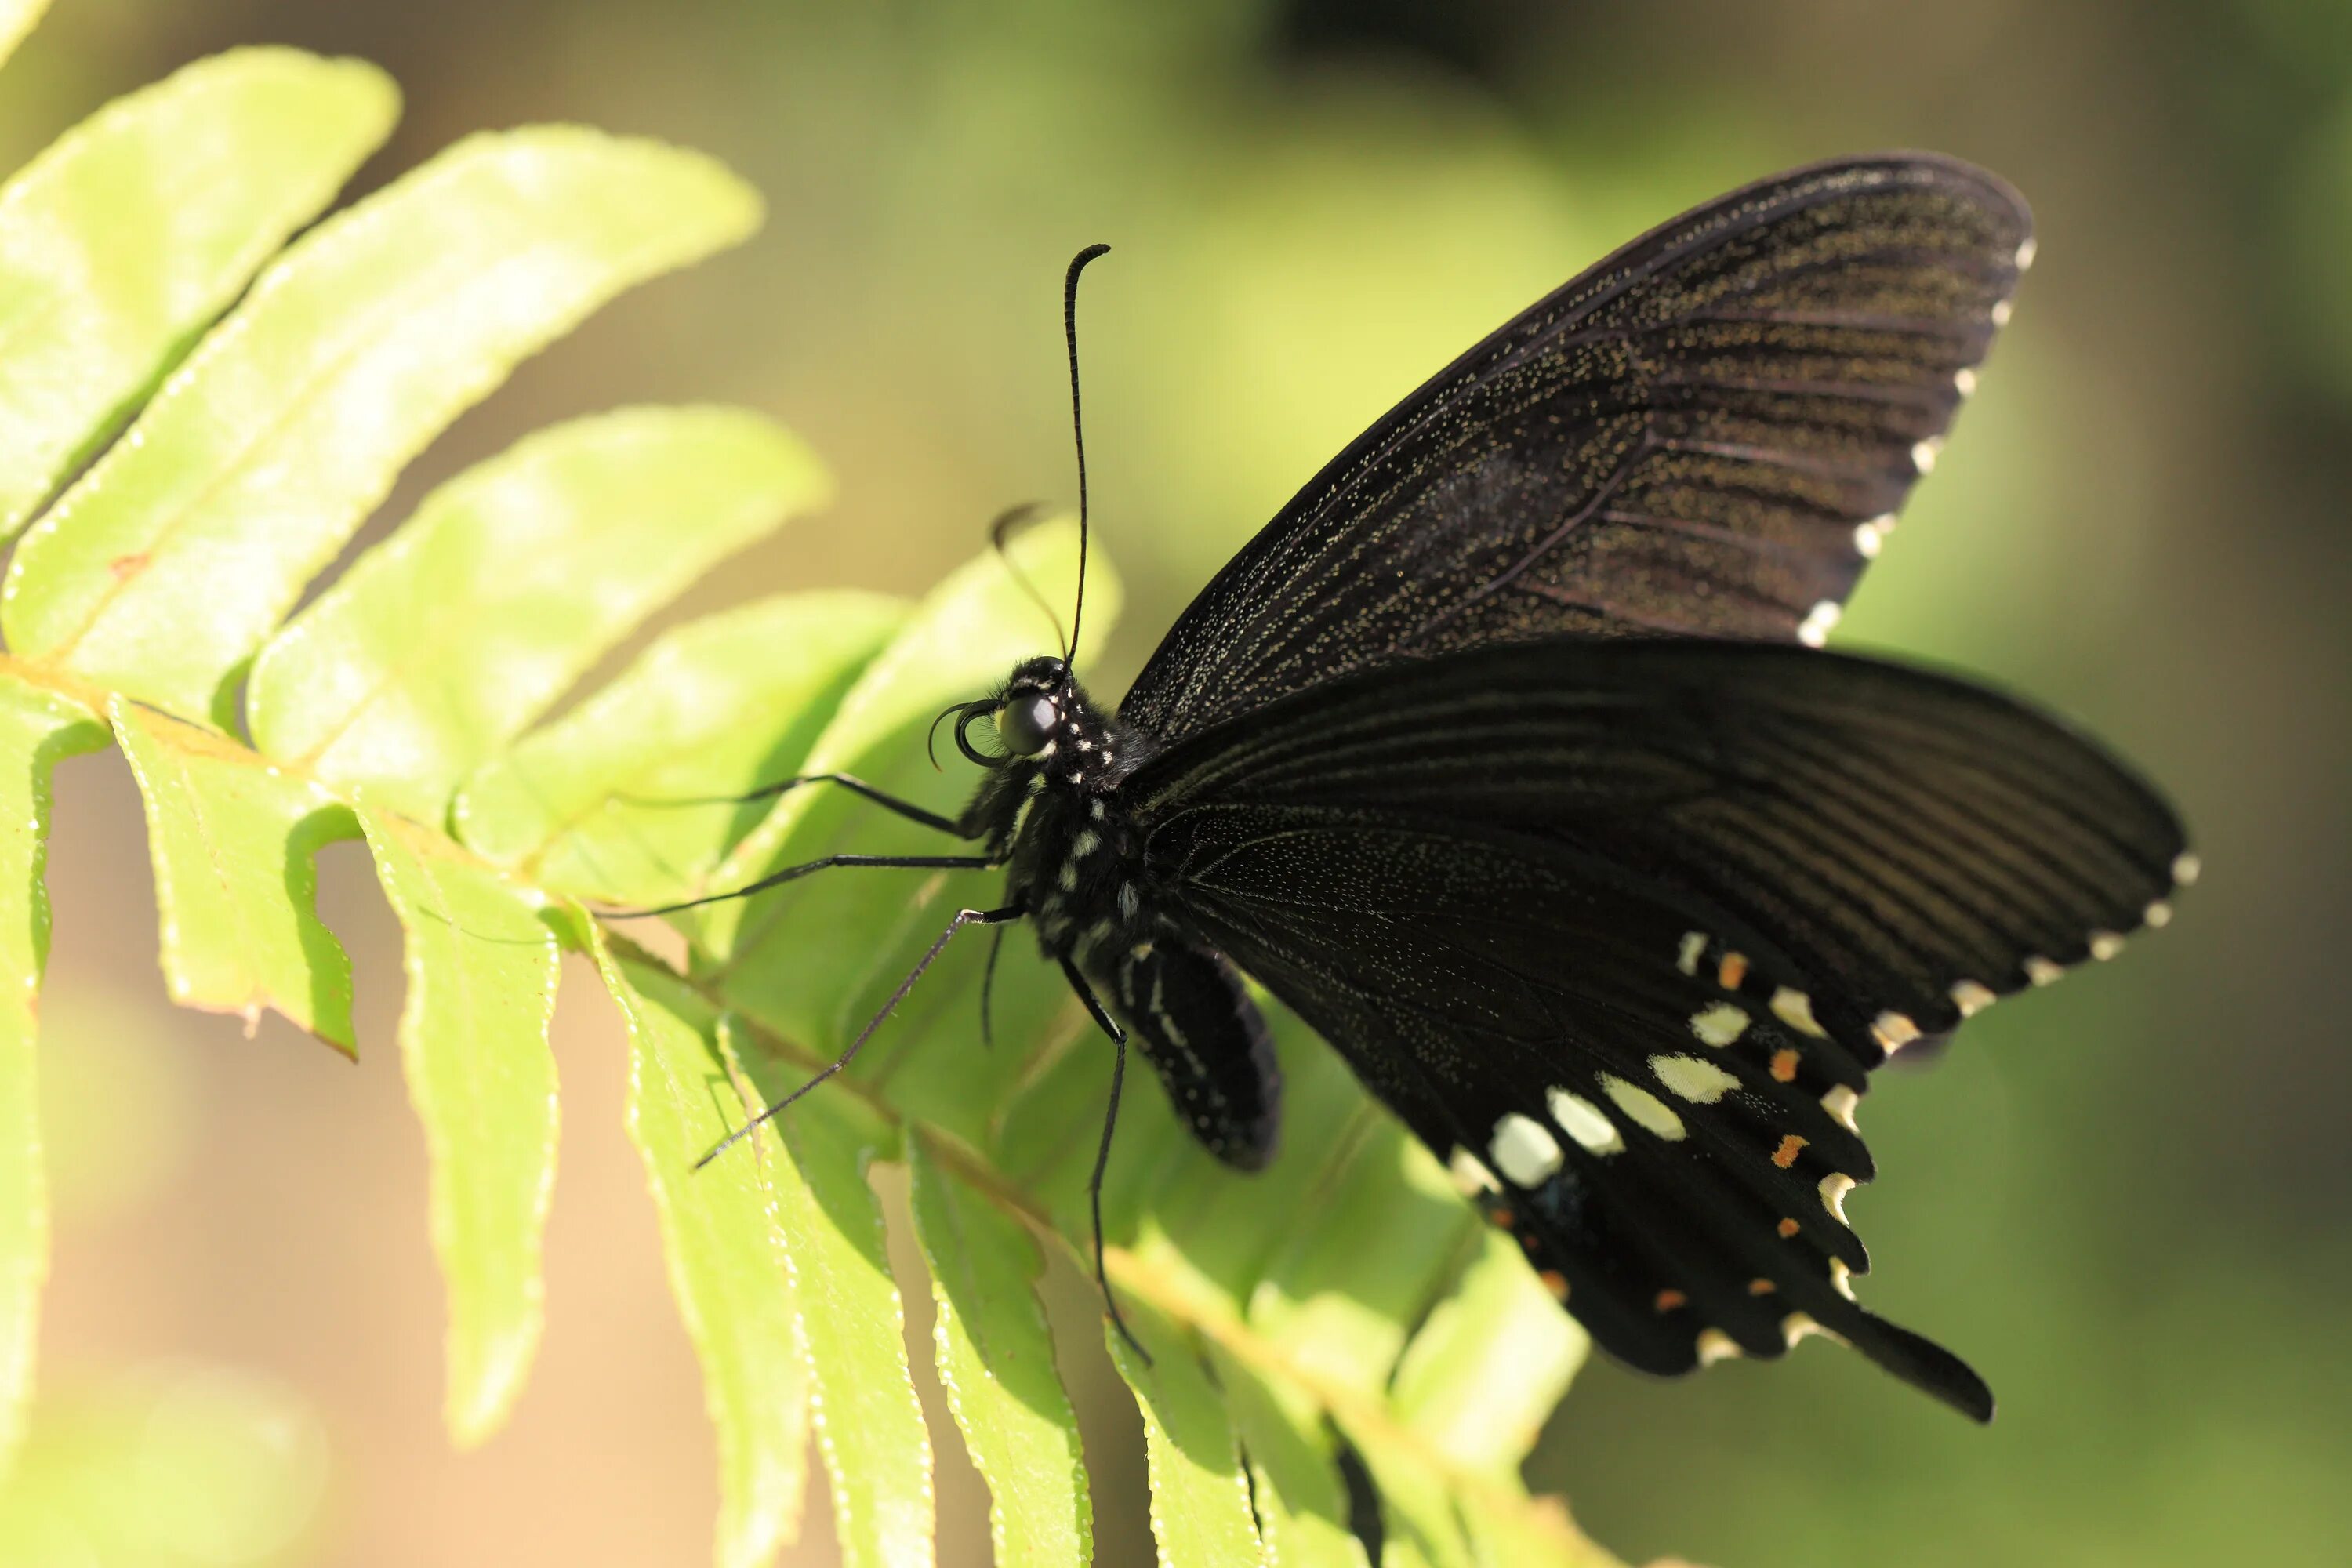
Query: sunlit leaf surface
[1302, 1504]
[1199, 1495]
[17, 19]
[232, 839]
[106, 265]
[726, 1266]
[164, 568]
[481, 967]
[869, 1426]
[1490, 1363]
[37, 728]
[442, 643]
[996, 1362]
[623, 798]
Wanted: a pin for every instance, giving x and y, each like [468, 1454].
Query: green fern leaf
[735, 1298]
[147, 605]
[996, 1362]
[17, 19]
[473, 1038]
[37, 730]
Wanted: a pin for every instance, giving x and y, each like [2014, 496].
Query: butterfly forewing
[1707, 434]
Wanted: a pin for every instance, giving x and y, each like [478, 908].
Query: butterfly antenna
[1000, 530]
[1078, 428]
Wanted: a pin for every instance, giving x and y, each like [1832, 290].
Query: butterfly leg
[964, 918]
[793, 874]
[988, 988]
[1102, 1152]
[850, 782]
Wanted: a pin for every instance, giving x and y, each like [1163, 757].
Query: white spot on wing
[1694, 944]
[1841, 1277]
[2000, 313]
[2157, 914]
[1867, 540]
[1796, 1009]
[1797, 1325]
[2042, 971]
[1923, 454]
[1840, 1104]
[1715, 1345]
[2185, 867]
[1471, 1177]
[1814, 630]
[1524, 1151]
[1971, 998]
[1585, 1122]
[2025, 250]
[2105, 944]
[1964, 382]
[1694, 1079]
[1834, 1187]
[1645, 1108]
[1894, 1031]
[1721, 1024]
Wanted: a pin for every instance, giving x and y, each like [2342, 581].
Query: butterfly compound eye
[1028, 723]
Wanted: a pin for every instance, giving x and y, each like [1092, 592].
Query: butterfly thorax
[1052, 808]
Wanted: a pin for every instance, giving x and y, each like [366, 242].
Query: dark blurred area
[2122, 1199]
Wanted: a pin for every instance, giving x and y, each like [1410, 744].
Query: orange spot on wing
[1788, 1227]
[1731, 970]
[1669, 1299]
[1786, 1155]
[1556, 1282]
[1761, 1287]
[1784, 1067]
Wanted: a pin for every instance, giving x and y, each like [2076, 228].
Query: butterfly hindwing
[1627, 924]
[1706, 434]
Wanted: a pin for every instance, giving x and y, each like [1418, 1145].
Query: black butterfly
[1503, 756]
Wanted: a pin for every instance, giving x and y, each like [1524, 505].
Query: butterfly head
[1036, 702]
[1031, 713]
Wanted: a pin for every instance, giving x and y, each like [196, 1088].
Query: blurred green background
[2122, 1199]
